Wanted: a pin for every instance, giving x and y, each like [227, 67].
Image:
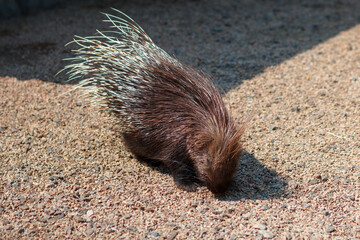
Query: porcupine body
[167, 111]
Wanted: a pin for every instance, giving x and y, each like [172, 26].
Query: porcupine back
[167, 111]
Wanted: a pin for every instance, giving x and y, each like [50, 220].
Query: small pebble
[79, 219]
[265, 207]
[272, 128]
[56, 177]
[24, 207]
[266, 234]
[90, 231]
[259, 226]
[329, 228]
[85, 199]
[154, 234]
[324, 178]
[259, 237]
[43, 220]
[314, 181]
[231, 210]
[217, 212]
[89, 213]
[60, 215]
[246, 216]
[128, 202]
[172, 235]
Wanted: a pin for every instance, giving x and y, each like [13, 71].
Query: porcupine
[167, 111]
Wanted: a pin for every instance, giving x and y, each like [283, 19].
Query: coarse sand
[294, 66]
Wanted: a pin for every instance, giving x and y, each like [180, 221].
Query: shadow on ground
[231, 40]
[254, 180]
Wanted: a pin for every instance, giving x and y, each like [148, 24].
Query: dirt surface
[293, 65]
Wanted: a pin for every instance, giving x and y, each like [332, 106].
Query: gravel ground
[292, 65]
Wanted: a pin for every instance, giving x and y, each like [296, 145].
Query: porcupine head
[216, 151]
[167, 111]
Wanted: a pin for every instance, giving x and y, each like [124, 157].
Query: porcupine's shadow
[253, 180]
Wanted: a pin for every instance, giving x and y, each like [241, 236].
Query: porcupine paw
[186, 183]
[187, 186]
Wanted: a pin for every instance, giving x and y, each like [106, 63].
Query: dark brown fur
[180, 119]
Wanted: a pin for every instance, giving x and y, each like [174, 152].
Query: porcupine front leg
[184, 176]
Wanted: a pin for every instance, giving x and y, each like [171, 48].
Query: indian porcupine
[167, 111]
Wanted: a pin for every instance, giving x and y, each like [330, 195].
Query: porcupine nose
[220, 188]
